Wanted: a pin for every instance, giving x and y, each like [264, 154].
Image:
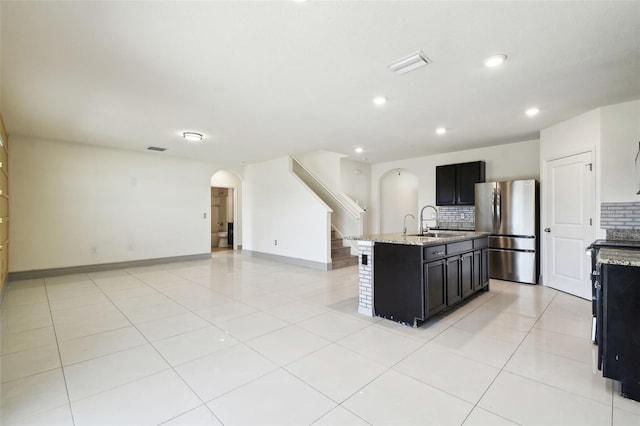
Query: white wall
[620, 135]
[355, 178]
[278, 206]
[325, 165]
[503, 162]
[399, 197]
[77, 205]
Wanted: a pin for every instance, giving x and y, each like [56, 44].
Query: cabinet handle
[438, 252]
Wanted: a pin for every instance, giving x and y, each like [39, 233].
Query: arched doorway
[398, 197]
[226, 211]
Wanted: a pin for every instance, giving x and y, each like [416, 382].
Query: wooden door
[568, 225]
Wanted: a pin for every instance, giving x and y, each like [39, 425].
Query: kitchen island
[617, 320]
[409, 278]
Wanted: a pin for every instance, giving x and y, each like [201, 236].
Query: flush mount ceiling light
[192, 136]
[410, 63]
[359, 150]
[379, 100]
[495, 60]
[532, 112]
[441, 130]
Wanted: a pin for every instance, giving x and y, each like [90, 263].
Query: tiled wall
[620, 215]
[365, 281]
[457, 217]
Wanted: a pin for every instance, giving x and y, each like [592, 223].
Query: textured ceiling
[265, 79]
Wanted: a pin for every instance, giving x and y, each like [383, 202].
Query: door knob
[547, 229]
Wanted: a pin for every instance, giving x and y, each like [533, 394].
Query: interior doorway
[226, 226]
[568, 224]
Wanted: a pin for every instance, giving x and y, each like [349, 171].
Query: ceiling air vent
[410, 63]
[156, 148]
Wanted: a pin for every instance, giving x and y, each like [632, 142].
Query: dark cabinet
[445, 185]
[455, 183]
[466, 274]
[434, 282]
[453, 280]
[485, 267]
[398, 288]
[619, 344]
[477, 270]
[413, 283]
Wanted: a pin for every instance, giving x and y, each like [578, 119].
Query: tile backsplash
[620, 215]
[621, 220]
[457, 217]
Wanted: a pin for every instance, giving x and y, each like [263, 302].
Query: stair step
[337, 244]
[343, 262]
[339, 251]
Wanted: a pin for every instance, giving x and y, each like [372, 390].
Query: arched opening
[226, 211]
[398, 197]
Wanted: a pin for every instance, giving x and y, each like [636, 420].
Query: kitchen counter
[619, 256]
[416, 240]
[409, 278]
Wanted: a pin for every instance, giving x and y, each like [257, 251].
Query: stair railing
[348, 216]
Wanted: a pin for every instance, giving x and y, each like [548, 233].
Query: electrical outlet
[204, 215]
[275, 242]
[94, 250]
[461, 215]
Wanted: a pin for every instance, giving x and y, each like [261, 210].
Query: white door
[568, 225]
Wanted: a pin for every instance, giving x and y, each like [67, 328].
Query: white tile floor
[237, 340]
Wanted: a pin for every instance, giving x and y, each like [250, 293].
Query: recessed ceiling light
[359, 150]
[495, 60]
[410, 63]
[379, 100]
[441, 130]
[532, 112]
[192, 136]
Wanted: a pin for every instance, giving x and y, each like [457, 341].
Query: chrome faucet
[404, 229]
[426, 229]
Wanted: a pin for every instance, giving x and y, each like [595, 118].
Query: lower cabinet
[453, 280]
[435, 278]
[466, 274]
[619, 343]
[484, 268]
[412, 283]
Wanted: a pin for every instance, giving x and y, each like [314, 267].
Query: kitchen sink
[438, 234]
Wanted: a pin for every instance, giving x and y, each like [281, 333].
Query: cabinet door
[467, 175]
[453, 280]
[466, 274]
[434, 284]
[477, 270]
[446, 185]
[398, 288]
[621, 340]
[485, 268]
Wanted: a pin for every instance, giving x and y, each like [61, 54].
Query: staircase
[340, 255]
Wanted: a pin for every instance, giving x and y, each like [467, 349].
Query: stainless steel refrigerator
[509, 212]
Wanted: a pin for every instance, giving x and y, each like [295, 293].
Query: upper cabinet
[455, 183]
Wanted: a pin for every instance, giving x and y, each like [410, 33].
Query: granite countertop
[443, 237]
[619, 256]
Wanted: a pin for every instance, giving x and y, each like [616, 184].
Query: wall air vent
[410, 63]
[156, 148]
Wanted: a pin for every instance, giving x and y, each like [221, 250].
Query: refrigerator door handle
[498, 210]
[493, 209]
